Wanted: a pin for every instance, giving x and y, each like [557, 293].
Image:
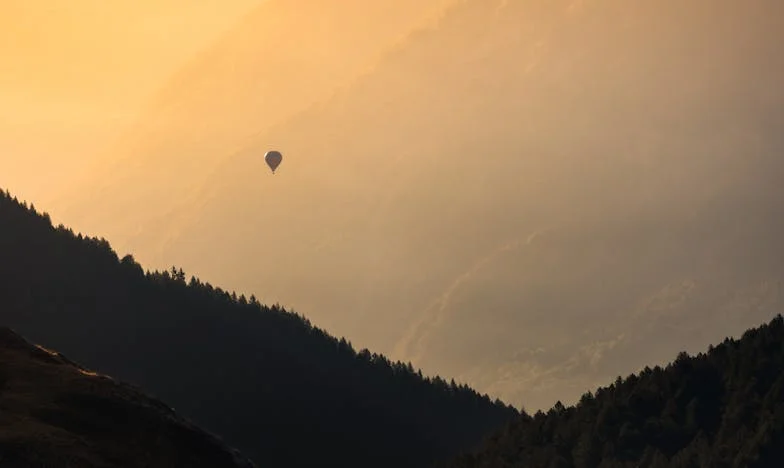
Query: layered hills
[717, 408]
[263, 378]
[439, 205]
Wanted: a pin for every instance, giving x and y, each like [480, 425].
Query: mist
[531, 196]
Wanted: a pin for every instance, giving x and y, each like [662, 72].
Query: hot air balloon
[273, 159]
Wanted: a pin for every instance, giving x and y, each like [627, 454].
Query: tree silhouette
[720, 409]
[270, 383]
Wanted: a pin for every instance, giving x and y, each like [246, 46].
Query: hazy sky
[74, 73]
[530, 196]
[277, 61]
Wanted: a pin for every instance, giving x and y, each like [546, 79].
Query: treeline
[283, 391]
[723, 408]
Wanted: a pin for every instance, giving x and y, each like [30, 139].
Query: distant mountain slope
[266, 380]
[57, 414]
[638, 144]
[283, 56]
[720, 409]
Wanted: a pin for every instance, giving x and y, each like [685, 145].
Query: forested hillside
[723, 408]
[271, 384]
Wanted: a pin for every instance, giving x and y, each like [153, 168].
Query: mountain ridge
[713, 409]
[262, 377]
[631, 127]
[622, 113]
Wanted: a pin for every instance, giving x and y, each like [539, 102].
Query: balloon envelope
[273, 159]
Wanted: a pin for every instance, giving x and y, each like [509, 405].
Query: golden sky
[75, 72]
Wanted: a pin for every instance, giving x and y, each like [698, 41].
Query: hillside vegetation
[279, 389]
[723, 408]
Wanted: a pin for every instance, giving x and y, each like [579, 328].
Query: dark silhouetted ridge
[268, 382]
[720, 409]
[54, 413]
